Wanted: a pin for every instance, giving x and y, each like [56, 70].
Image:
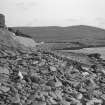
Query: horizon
[56, 26]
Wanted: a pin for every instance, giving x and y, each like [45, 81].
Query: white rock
[85, 68]
[35, 62]
[85, 73]
[79, 96]
[71, 67]
[58, 84]
[20, 75]
[103, 71]
[52, 68]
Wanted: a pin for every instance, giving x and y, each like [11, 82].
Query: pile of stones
[43, 78]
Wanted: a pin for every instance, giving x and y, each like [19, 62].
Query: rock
[20, 75]
[46, 88]
[42, 63]
[52, 68]
[16, 99]
[103, 96]
[50, 83]
[4, 70]
[93, 101]
[37, 79]
[24, 72]
[79, 96]
[1, 92]
[23, 81]
[19, 86]
[52, 94]
[59, 94]
[22, 101]
[82, 90]
[63, 64]
[97, 93]
[11, 53]
[3, 78]
[24, 63]
[63, 102]
[85, 73]
[53, 102]
[2, 103]
[4, 88]
[35, 62]
[58, 83]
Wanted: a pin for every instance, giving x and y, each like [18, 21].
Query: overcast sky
[53, 12]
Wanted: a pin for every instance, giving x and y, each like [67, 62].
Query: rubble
[45, 78]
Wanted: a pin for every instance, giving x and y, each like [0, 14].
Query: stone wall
[2, 21]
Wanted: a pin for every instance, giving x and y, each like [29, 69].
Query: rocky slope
[10, 41]
[45, 78]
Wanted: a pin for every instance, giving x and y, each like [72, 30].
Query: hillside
[80, 33]
[12, 44]
[6, 41]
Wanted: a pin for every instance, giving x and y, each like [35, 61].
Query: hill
[79, 33]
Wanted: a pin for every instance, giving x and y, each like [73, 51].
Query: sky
[53, 12]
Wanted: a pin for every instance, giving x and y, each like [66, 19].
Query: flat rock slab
[4, 70]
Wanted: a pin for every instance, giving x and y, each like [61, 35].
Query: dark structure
[95, 55]
[2, 21]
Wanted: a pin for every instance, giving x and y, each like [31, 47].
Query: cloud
[26, 5]
[32, 22]
[78, 20]
[100, 22]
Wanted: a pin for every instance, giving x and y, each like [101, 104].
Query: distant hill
[72, 33]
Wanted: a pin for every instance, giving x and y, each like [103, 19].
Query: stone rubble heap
[43, 78]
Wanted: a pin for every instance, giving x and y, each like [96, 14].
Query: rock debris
[45, 78]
